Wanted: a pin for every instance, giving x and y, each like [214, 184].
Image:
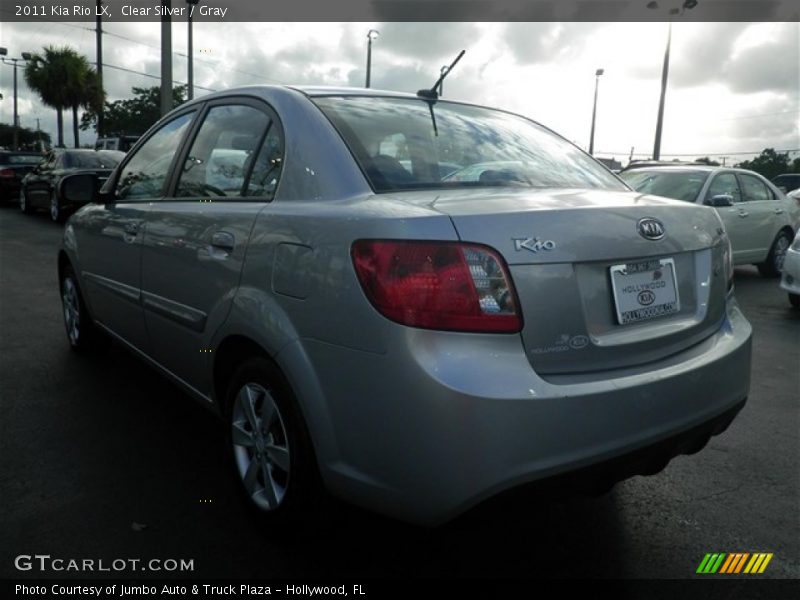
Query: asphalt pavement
[102, 458]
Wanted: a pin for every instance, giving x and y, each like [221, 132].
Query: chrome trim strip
[175, 311]
[122, 290]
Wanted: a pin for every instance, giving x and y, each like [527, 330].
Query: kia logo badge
[650, 228]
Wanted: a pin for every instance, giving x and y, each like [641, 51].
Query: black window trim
[111, 184]
[182, 153]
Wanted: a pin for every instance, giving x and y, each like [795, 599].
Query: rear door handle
[778, 211]
[744, 213]
[223, 240]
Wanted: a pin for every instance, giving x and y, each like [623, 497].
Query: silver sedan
[410, 342]
[758, 217]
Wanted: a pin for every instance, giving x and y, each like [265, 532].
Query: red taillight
[438, 285]
[7, 174]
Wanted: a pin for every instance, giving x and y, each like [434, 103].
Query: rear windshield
[91, 160]
[679, 185]
[404, 144]
[22, 159]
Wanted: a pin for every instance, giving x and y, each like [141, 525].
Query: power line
[153, 76]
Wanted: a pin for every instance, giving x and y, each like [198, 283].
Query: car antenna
[431, 96]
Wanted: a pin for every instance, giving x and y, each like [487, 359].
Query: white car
[759, 218]
[791, 272]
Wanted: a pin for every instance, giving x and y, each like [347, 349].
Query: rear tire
[82, 334]
[24, 205]
[270, 451]
[773, 266]
[794, 300]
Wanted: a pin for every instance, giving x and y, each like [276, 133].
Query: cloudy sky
[733, 87]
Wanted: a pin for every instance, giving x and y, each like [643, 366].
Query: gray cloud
[532, 43]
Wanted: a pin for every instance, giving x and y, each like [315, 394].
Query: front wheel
[270, 450]
[794, 300]
[56, 210]
[82, 333]
[773, 266]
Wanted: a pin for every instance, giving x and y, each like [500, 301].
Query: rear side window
[223, 152]
[144, 175]
[753, 189]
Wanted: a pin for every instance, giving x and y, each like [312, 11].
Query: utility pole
[166, 58]
[99, 56]
[190, 52]
[664, 76]
[594, 109]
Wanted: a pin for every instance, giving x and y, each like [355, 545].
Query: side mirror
[80, 188]
[719, 201]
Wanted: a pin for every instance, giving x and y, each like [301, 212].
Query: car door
[736, 217]
[195, 239]
[766, 217]
[110, 235]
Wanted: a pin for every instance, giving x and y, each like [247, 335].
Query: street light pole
[664, 76]
[190, 53]
[371, 34]
[594, 109]
[13, 62]
[653, 5]
[99, 53]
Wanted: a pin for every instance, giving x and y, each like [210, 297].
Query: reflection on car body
[367, 323]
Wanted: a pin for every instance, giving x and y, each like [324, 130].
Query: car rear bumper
[467, 421]
[790, 277]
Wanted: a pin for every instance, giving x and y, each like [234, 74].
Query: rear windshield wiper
[431, 96]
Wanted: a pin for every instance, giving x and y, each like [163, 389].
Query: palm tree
[64, 79]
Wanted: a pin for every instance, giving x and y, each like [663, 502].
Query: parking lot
[103, 458]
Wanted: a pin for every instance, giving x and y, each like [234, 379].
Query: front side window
[407, 143]
[223, 152]
[725, 184]
[679, 185]
[144, 175]
[267, 166]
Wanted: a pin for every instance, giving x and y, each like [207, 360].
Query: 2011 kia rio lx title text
[414, 303]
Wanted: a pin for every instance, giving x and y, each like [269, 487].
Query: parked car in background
[790, 278]
[760, 220]
[13, 167]
[39, 188]
[413, 344]
[788, 182]
[122, 143]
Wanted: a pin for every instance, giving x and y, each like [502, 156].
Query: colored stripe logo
[734, 563]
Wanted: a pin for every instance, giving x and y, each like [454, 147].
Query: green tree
[29, 139]
[133, 116]
[47, 74]
[64, 79]
[707, 161]
[769, 163]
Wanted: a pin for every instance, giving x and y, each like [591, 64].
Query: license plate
[644, 290]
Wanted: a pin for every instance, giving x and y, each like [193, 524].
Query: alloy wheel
[260, 446]
[72, 311]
